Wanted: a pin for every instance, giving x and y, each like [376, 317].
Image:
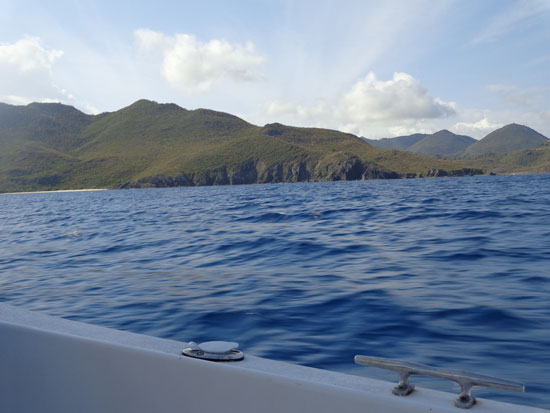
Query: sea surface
[450, 272]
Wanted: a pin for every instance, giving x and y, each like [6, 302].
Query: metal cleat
[466, 379]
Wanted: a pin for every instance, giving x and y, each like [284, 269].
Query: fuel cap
[214, 351]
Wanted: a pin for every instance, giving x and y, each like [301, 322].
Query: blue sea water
[451, 272]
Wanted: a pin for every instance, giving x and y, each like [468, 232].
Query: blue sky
[376, 69]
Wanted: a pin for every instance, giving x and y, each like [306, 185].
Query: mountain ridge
[400, 142]
[509, 138]
[443, 142]
[54, 146]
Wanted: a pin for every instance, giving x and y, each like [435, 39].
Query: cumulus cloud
[373, 106]
[28, 55]
[25, 71]
[400, 98]
[194, 66]
[476, 129]
[477, 123]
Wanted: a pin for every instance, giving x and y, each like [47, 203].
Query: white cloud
[194, 66]
[522, 13]
[408, 128]
[478, 123]
[14, 100]
[372, 107]
[28, 55]
[25, 71]
[27, 75]
[476, 129]
[400, 98]
[402, 106]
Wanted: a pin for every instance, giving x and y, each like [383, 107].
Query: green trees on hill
[54, 146]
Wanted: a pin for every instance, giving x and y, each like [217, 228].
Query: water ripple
[451, 272]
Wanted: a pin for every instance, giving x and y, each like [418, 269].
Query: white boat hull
[48, 364]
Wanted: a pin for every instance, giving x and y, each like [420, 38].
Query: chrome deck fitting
[465, 379]
[214, 351]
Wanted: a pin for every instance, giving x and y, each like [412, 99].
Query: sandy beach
[51, 192]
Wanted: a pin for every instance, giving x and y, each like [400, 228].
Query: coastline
[272, 183]
[58, 190]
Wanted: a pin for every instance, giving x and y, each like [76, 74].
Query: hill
[401, 143]
[443, 142]
[53, 146]
[535, 160]
[507, 139]
[439, 143]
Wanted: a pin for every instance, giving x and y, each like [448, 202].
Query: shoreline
[274, 183]
[56, 191]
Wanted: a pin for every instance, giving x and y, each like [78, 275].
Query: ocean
[450, 272]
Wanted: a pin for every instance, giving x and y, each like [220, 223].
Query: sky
[372, 68]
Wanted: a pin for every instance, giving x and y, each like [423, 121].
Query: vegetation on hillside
[47, 146]
[54, 146]
[443, 142]
[535, 160]
[401, 143]
[507, 139]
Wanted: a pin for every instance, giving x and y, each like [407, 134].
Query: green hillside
[401, 143]
[507, 139]
[443, 142]
[53, 124]
[54, 146]
[536, 160]
[36, 142]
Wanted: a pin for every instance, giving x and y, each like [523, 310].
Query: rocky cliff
[257, 172]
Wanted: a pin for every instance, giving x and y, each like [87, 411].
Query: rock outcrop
[258, 172]
[456, 172]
